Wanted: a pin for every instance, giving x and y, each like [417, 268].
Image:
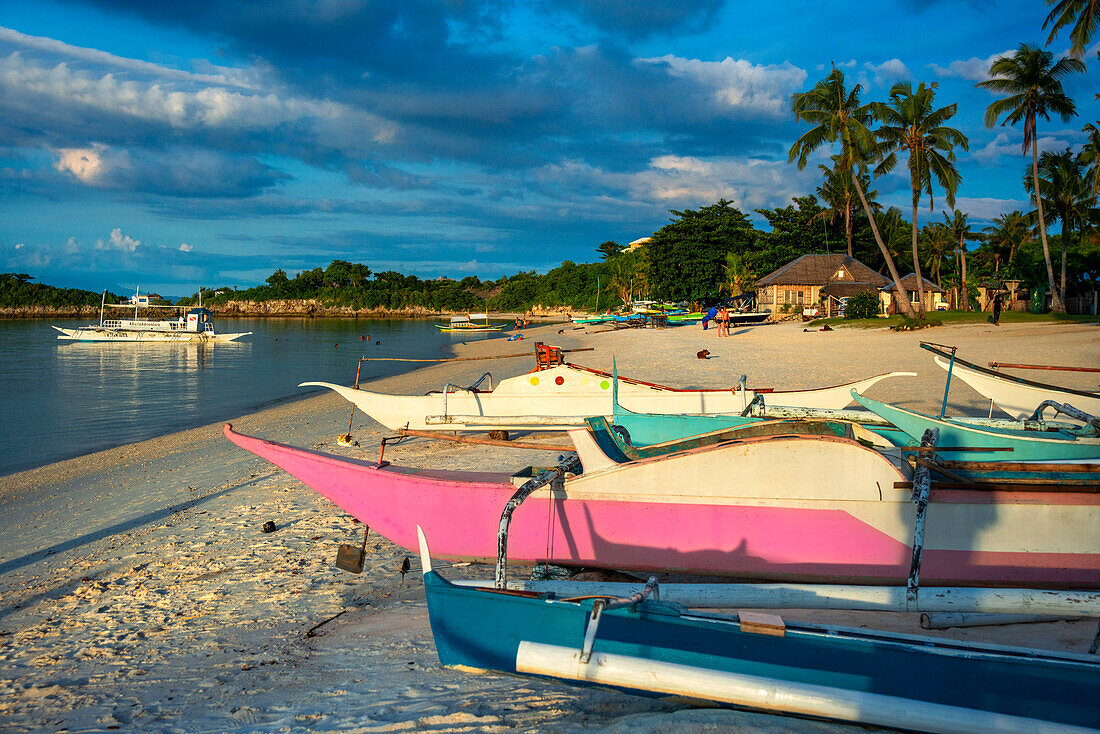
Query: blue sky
[178, 144]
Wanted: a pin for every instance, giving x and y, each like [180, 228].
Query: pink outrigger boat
[785, 508]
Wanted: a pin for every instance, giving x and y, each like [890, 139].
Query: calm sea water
[63, 399]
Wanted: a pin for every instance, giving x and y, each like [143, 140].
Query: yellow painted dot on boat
[604, 385]
[584, 380]
[534, 380]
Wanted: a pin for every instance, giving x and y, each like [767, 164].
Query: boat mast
[102, 300]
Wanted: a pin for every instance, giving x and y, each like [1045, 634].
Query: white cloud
[740, 84]
[118, 241]
[184, 247]
[974, 69]
[1009, 144]
[167, 98]
[988, 209]
[884, 74]
[84, 163]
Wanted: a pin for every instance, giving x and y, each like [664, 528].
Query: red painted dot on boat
[559, 380]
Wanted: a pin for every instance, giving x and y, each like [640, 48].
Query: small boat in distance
[471, 322]
[196, 325]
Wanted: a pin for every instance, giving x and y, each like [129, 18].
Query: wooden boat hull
[99, 334]
[565, 395]
[781, 508]
[1015, 395]
[1026, 445]
[833, 672]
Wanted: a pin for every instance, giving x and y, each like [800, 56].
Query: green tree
[1032, 82]
[1082, 15]
[686, 256]
[1065, 194]
[793, 233]
[837, 116]
[839, 194]
[1090, 156]
[1008, 233]
[609, 249]
[959, 226]
[912, 124]
[895, 234]
[937, 241]
[739, 276]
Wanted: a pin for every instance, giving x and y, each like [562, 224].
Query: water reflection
[60, 399]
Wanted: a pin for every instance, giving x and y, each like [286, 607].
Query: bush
[864, 305]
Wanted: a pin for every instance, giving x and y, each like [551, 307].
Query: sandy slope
[138, 591]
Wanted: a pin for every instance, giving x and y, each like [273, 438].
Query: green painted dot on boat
[604, 385]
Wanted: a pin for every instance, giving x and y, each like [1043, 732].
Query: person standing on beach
[996, 310]
[713, 312]
[723, 321]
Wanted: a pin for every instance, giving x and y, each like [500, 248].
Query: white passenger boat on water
[196, 325]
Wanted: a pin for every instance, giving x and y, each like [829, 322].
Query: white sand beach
[139, 592]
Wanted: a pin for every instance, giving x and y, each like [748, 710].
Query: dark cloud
[640, 19]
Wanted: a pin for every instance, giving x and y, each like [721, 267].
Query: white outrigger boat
[1017, 396]
[472, 323]
[195, 326]
[564, 395]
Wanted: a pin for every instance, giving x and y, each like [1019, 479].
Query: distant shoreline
[278, 309]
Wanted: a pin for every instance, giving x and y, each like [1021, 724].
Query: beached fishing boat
[564, 395]
[761, 661]
[794, 508]
[474, 322]
[1017, 396]
[197, 325]
[1037, 442]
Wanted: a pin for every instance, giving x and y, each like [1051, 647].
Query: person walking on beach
[723, 322]
[996, 310]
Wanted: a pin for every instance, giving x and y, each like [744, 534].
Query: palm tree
[1005, 237]
[959, 226]
[1083, 15]
[1031, 80]
[1065, 194]
[739, 275]
[895, 233]
[938, 241]
[1090, 156]
[911, 123]
[838, 193]
[837, 116]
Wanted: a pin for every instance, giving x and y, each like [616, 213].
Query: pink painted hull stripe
[782, 543]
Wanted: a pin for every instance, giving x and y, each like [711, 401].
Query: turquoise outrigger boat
[1036, 442]
[761, 662]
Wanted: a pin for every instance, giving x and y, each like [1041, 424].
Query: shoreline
[140, 593]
